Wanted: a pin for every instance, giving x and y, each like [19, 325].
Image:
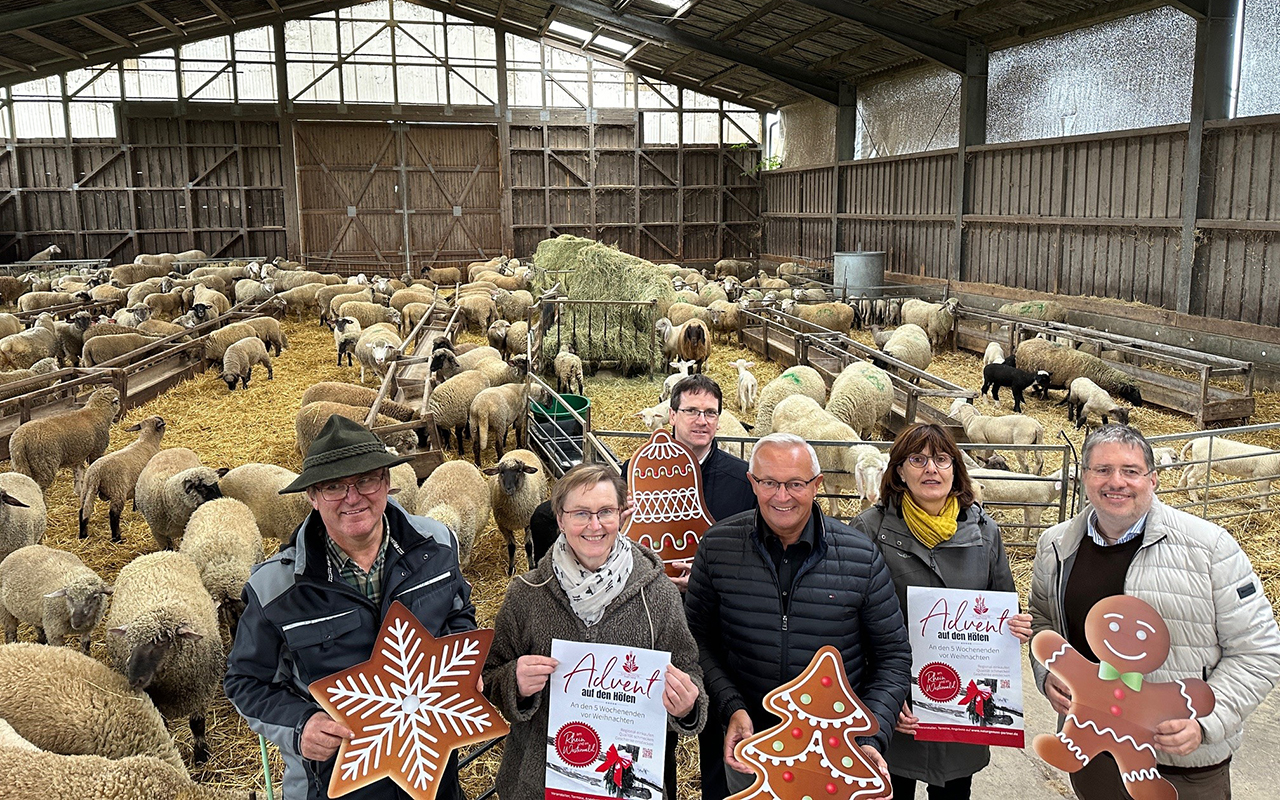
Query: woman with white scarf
[594, 586]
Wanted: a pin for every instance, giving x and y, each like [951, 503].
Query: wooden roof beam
[105, 32]
[804, 35]
[217, 11]
[162, 20]
[17, 66]
[948, 49]
[744, 23]
[50, 45]
[12, 21]
[1069, 22]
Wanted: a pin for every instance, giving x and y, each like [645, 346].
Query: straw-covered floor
[228, 429]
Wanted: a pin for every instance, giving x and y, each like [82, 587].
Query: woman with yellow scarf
[933, 533]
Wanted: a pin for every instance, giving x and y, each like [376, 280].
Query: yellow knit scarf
[930, 530]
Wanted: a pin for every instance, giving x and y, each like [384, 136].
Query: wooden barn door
[403, 195]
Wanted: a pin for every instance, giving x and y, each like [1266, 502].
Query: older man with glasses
[1195, 574]
[770, 588]
[315, 608]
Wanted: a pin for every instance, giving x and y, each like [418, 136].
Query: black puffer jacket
[750, 641]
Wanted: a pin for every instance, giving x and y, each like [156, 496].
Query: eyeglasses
[604, 516]
[920, 460]
[693, 413]
[337, 490]
[1128, 473]
[793, 487]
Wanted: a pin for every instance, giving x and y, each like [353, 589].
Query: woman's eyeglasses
[604, 515]
[920, 460]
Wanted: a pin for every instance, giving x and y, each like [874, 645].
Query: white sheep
[729, 426]
[1034, 494]
[240, 359]
[10, 379]
[495, 412]
[568, 369]
[354, 395]
[23, 349]
[656, 417]
[46, 254]
[223, 540]
[99, 350]
[748, 384]
[101, 778]
[794, 380]
[169, 488]
[327, 296]
[40, 447]
[457, 494]
[1084, 397]
[1009, 429]
[23, 517]
[805, 417]
[346, 332]
[679, 313]
[216, 344]
[376, 348]
[369, 313]
[909, 344]
[861, 396]
[838, 317]
[450, 404]
[1165, 456]
[312, 417]
[114, 476]
[64, 701]
[994, 354]
[1230, 457]
[937, 319]
[518, 484]
[258, 487]
[164, 638]
[681, 372]
[52, 591]
[269, 331]
[132, 316]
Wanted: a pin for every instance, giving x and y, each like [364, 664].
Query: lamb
[1064, 365]
[909, 344]
[46, 254]
[215, 346]
[804, 416]
[937, 319]
[375, 349]
[268, 330]
[681, 372]
[258, 486]
[346, 332]
[497, 333]
[114, 476]
[23, 518]
[130, 317]
[1165, 456]
[240, 359]
[495, 411]
[11, 381]
[325, 297]
[223, 540]
[457, 494]
[369, 313]
[23, 349]
[1033, 494]
[836, 317]
[656, 417]
[71, 334]
[568, 368]
[994, 354]
[795, 380]
[1084, 397]
[450, 404]
[861, 396]
[1010, 429]
[517, 485]
[53, 592]
[1230, 457]
[165, 639]
[66, 702]
[312, 417]
[171, 486]
[690, 341]
[40, 447]
[353, 395]
[1017, 380]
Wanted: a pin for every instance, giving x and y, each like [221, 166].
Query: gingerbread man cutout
[1111, 707]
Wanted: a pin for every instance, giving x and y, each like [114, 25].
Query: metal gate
[402, 194]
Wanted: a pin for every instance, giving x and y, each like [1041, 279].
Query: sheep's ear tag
[185, 632]
[56, 593]
[120, 631]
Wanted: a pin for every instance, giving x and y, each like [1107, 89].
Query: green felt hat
[343, 448]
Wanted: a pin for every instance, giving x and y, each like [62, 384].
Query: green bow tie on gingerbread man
[1131, 679]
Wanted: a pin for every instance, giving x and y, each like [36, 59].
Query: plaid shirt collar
[343, 567]
[1134, 530]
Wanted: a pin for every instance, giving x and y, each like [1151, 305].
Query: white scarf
[589, 592]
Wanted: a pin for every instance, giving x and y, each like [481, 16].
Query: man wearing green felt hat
[315, 608]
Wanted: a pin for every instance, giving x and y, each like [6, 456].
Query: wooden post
[504, 145]
[973, 131]
[288, 158]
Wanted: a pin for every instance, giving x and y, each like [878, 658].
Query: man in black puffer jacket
[770, 587]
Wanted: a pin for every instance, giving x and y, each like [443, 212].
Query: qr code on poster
[647, 753]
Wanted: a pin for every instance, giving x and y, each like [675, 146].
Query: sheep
[456, 493]
[40, 447]
[251, 291]
[10, 324]
[656, 417]
[517, 485]
[71, 334]
[101, 349]
[1017, 380]
[23, 516]
[287, 280]
[472, 358]
[1033, 494]
[517, 339]
[35, 774]
[312, 417]
[46, 254]
[478, 312]
[106, 293]
[450, 404]
[1064, 365]
[690, 341]
[369, 313]
[223, 540]
[909, 344]
[268, 330]
[836, 317]
[164, 638]
[1084, 397]
[497, 333]
[1010, 429]
[353, 395]
[23, 349]
[327, 295]
[38, 301]
[106, 328]
[12, 378]
[346, 332]
[139, 292]
[169, 488]
[937, 319]
[726, 318]
[444, 275]
[568, 369]
[681, 372]
[513, 306]
[499, 372]
[64, 701]
[861, 396]
[843, 474]
[496, 411]
[12, 288]
[257, 486]
[130, 317]
[1047, 310]
[1230, 457]
[404, 297]
[137, 272]
[299, 299]
[53, 592]
[10, 740]
[795, 380]
[1165, 456]
[240, 359]
[375, 349]
[680, 313]
[113, 477]
[217, 342]
[994, 354]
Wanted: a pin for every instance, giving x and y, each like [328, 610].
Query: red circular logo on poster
[939, 682]
[578, 744]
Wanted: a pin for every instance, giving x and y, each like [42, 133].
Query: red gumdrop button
[831, 788]
[788, 777]
[826, 680]
[797, 733]
[1115, 711]
[833, 742]
[1119, 693]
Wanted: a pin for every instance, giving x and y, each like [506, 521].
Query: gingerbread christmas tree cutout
[670, 513]
[412, 703]
[813, 754]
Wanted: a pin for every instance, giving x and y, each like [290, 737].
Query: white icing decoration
[1065, 647]
[1151, 774]
[1182, 690]
[1110, 732]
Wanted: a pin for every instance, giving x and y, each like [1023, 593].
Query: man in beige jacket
[1194, 573]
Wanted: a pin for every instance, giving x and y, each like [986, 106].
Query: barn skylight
[569, 31]
[616, 45]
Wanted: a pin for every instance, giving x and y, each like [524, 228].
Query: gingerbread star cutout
[409, 705]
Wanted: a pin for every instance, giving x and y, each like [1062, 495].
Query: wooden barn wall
[1093, 215]
[166, 184]
[691, 203]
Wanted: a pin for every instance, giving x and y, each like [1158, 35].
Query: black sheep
[996, 375]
